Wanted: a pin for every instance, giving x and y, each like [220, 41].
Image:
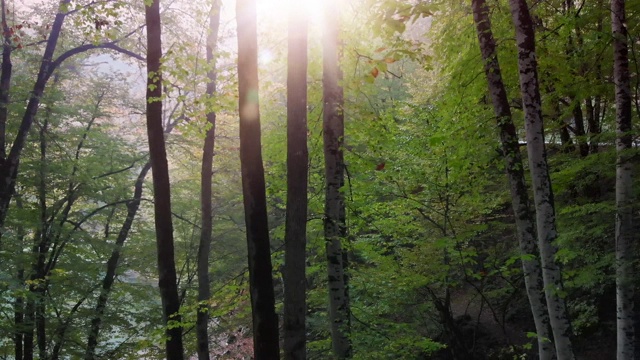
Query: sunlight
[278, 10]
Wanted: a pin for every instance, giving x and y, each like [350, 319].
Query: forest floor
[495, 333]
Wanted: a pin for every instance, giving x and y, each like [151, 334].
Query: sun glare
[277, 11]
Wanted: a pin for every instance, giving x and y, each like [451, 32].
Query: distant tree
[204, 290]
[167, 280]
[265, 320]
[542, 192]
[295, 308]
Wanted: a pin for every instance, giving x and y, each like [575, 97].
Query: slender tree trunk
[5, 80]
[28, 328]
[542, 191]
[167, 281]
[334, 212]
[9, 168]
[625, 279]
[578, 118]
[204, 291]
[265, 321]
[593, 124]
[112, 265]
[295, 306]
[18, 319]
[515, 171]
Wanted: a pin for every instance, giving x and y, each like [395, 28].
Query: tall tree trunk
[5, 80]
[295, 306]
[625, 279]
[542, 192]
[167, 281]
[112, 265]
[334, 212]
[9, 168]
[204, 290]
[515, 171]
[265, 320]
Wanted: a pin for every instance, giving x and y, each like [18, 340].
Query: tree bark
[5, 80]
[593, 123]
[295, 305]
[578, 119]
[204, 249]
[625, 279]
[167, 281]
[334, 210]
[515, 171]
[265, 321]
[542, 191]
[112, 265]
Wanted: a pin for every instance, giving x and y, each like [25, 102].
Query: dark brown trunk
[167, 279]
[265, 321]
[204, 249]
[297, 169]
[525, 223]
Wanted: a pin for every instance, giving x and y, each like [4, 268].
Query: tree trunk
[295, 305]
[265, 321]
[578, 119]
[515, 171]
[112, 265]
[542, 191]
[593, 124]
[5, 80]
[161, 187]
[625, 279]
[204, 290]
[9, 168]
[334, 212]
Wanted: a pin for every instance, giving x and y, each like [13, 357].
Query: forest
[282, 179]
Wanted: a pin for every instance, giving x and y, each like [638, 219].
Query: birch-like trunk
[515, 171]
[624, 192]
[295, 306]
[334, 217]
[542, 192]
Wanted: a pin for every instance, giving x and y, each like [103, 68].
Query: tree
[295, 308]
[204, 291]
[539, 168]
[265, 320]
[624, 191]
[334, 211]
[167, 280]
[515, 171]
[9, 165]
